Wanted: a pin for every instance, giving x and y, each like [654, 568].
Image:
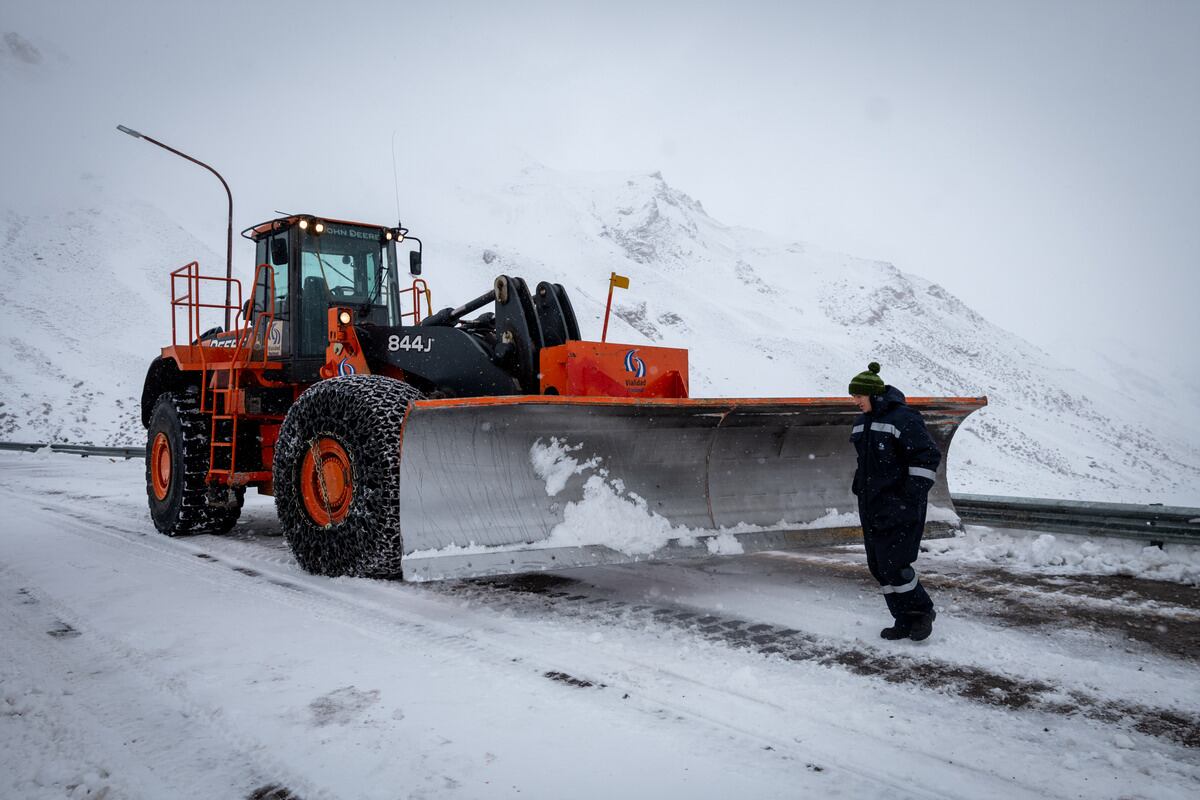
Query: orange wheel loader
[478, 440]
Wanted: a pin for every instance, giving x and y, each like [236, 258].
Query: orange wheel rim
[160, 466]
[326, 482]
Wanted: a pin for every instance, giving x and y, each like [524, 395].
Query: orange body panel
[343, 353]
[190, 359]
[214, 365]
[608, 369]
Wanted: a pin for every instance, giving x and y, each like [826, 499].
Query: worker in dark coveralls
[897, 464]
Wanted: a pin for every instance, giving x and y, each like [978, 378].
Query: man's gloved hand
[916, 488]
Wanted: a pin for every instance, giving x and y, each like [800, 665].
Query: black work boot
[901, 629]
[922, 626]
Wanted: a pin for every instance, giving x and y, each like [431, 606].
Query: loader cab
[316, 263]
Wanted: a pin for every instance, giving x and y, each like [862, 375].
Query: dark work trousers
[890, 556]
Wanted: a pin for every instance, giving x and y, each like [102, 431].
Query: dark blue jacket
[897, 462]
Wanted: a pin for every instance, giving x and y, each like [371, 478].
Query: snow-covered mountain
[84, 295]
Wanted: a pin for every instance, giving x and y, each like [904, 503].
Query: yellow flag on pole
[619, 281]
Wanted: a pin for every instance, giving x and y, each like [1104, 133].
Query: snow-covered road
[143, 666]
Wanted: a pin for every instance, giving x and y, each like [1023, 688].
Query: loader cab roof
[256, 232]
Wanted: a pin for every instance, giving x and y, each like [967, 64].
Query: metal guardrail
[1156, 524]
[84, 450]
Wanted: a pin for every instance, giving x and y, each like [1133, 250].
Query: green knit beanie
[868, 383]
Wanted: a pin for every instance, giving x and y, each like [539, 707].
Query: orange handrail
[233, 371]
[191, 302]
[248, 334]
[419, 287]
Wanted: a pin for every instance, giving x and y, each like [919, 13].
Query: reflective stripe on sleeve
[907, 587]
[884, 427]
[856, 429]
[921, 472]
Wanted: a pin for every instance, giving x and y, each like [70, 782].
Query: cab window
[340, 266]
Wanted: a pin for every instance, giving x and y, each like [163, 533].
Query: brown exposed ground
[1015, 600]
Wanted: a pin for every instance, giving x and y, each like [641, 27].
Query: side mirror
[414, 262]
[279, 251]
[248, 312]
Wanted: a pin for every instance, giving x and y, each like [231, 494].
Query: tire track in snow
[481, 642]
[532, 596]
[494, 650]
[978, 684]
[119, 712]
[562, 595]
[271, 560]
[271, 584]
[967, 681]
[1163, 616]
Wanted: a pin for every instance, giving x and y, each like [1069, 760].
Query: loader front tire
[176, 467]
[337, 475]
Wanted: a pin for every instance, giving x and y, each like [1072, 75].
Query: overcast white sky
[1040, 160]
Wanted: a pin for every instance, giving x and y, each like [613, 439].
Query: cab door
[272, 297]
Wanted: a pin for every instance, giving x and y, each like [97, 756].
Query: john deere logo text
[634, 364]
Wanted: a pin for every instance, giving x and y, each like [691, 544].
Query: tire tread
[365, 414]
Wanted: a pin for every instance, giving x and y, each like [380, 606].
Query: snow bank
[936, 513]
[608, 514]
[615, 517]
[554, 464]
[611, 515]
[1066, 554]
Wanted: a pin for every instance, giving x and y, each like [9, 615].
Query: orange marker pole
[614, 281]
[607, 309]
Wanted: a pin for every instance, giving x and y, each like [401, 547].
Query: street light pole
[228, 194]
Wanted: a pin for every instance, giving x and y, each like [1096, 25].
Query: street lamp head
[130, 131]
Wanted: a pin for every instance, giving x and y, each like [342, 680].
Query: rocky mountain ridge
[760, 316]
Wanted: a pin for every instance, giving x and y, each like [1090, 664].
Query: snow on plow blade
[521, 484]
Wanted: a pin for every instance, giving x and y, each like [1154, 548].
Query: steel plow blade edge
[518, 484]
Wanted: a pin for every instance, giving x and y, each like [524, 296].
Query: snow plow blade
[522, 484]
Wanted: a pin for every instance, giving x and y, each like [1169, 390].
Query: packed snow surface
[139, 666]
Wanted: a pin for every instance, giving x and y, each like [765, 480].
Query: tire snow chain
[320, 469]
